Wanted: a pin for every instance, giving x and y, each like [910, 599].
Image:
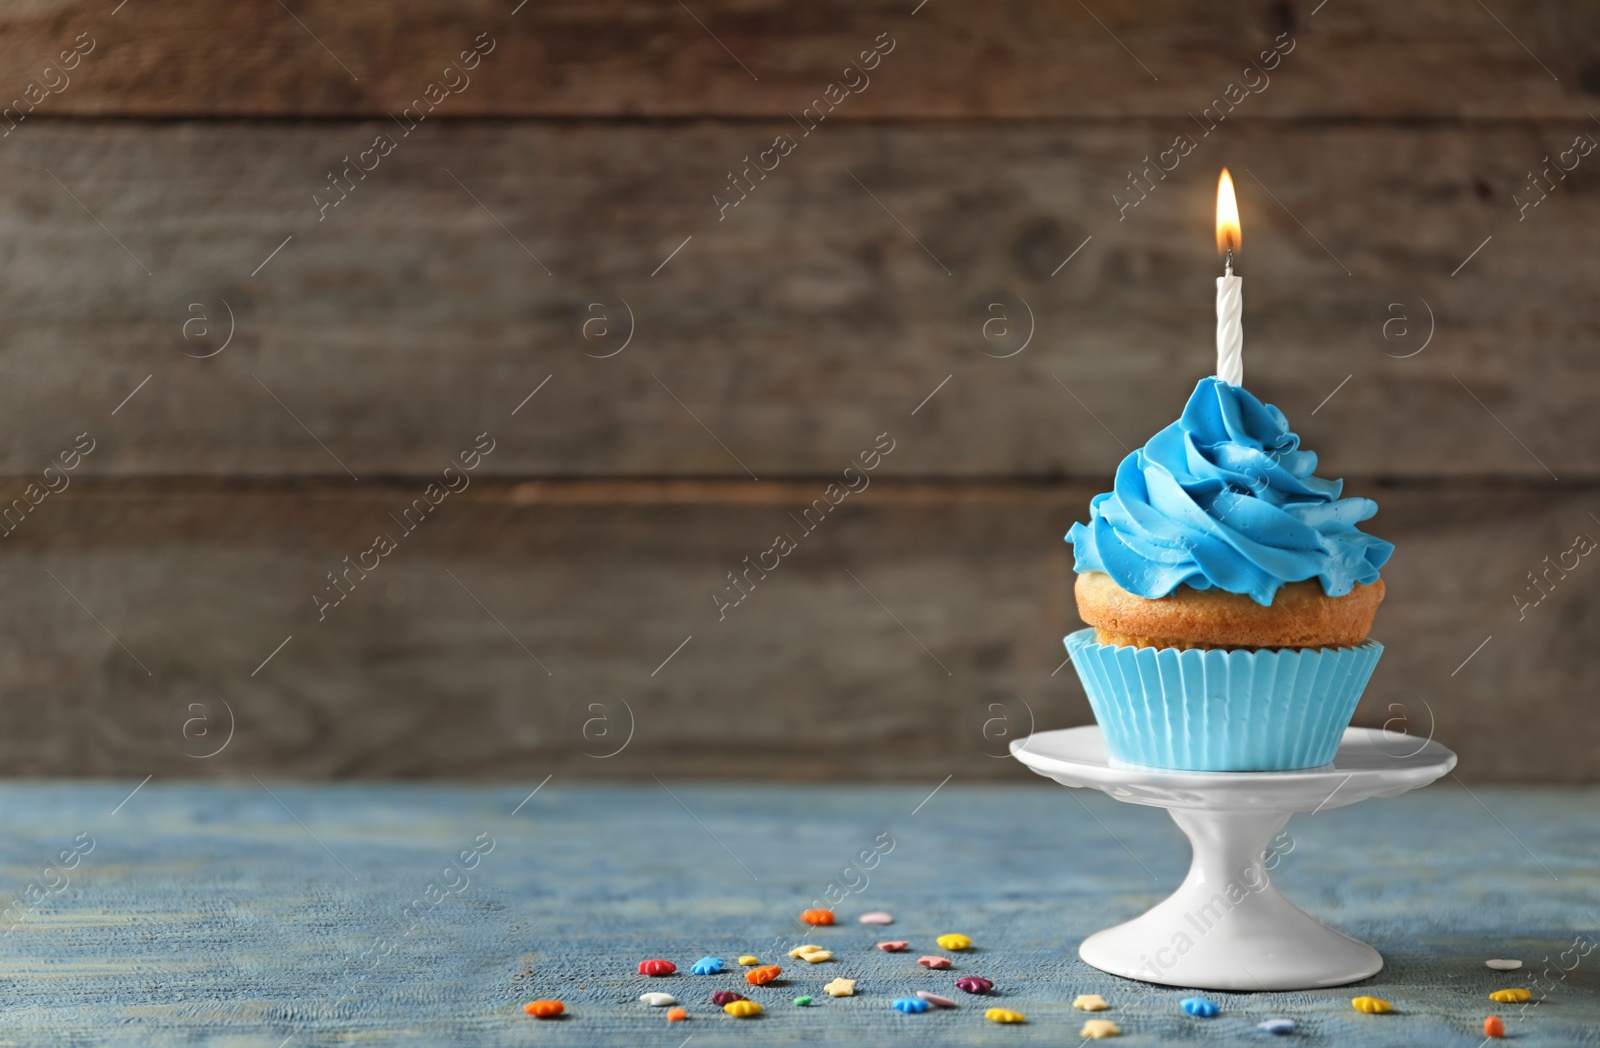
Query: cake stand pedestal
[1227, 927]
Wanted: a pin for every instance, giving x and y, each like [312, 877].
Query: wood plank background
[555, 224]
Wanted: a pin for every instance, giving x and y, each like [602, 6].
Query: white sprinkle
[1501, 965]
[658, 1000]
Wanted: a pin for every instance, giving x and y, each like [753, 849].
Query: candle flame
[1228, 234]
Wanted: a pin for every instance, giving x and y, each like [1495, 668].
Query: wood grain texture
[326, 915]
[828, 306]
[1111, 59]
[874, 650]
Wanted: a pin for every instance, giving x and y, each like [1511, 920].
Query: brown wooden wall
[317, 300]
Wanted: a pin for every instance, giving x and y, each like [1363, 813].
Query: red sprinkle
[657, 967]
[893, 946]
[934, 962]
[817, 917]
[974, 984]
[762, 975]
[722, 997]
[1493, 1027]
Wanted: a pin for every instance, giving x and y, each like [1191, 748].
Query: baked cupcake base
[1222, 710]
[1300, 616]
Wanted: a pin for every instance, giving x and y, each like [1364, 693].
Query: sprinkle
[814, 954]
[1493, 1027]
[1199, 1006]
[933, 998]
[722, 997]
[977, 984]
[953, 942]
[1004, 1015]
[878, 917]
[1501, 964]
[817, 917]
[1370, 1005]
[1089, 1002]
[742, 1009]
[749, 959]
[1515, 995]
[803, 1001]
[934, 962]
[1276, 1026]
[892, 946]
[657, 967]
[544, 1009]
[658, 1000]
[707, 966]
[676, 1015]
[841, 988]
[763, 975]
[910, 1005]
[1098, 1028]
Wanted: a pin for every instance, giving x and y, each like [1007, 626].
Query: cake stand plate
[1227, 927]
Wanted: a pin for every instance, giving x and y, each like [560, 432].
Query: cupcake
[1229, 596]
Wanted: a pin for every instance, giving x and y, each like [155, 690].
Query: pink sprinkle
[876, 918]
[934, 962]
[892, 947]
[933, 998]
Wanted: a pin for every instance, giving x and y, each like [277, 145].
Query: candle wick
[1227, 270]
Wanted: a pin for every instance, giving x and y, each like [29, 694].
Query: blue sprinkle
[707, 966]
[1199, 1006]
[1277, 1026]
[911, 1005]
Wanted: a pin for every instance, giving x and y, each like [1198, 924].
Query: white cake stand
[1226, 927]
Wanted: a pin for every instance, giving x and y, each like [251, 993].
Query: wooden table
[322, 915]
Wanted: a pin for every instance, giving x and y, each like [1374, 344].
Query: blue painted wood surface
[208, 914]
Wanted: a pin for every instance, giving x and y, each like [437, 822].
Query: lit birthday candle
[1230, 289]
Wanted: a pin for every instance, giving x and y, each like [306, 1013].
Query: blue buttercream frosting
[1224, 498]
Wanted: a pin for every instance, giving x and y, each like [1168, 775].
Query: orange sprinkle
[1493, 1027]
[544, 1009]
[677, 1015]
[762, 975]
[817, 917]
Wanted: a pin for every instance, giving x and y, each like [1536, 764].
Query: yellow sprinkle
[1515, 995]
[742, 1009]
[747, 959]
[841, 988]
[811, 952]
[1091, 1002]
[953, 942]
[1370, 1005]
[1098, 1028]
[1004, 1015]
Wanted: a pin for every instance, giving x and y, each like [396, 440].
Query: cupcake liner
[1222, 710]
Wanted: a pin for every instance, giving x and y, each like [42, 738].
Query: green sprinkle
[802, 1001]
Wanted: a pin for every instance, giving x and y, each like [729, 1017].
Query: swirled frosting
[1224, 498]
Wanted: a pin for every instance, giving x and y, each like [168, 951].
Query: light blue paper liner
[1222, 710]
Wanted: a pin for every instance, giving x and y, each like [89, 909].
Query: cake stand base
[1227, 927]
